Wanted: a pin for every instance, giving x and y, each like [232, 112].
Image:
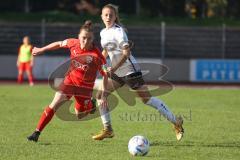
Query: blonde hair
[115, 9]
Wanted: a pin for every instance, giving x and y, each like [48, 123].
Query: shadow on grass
[53, 144]
[196, 144]
[45, 143]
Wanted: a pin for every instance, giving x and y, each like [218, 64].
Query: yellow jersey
[25, 53]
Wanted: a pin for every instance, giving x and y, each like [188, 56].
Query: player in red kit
[86, 61]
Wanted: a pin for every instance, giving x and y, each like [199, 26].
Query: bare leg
[104, 112]
[57, 100]
[20, 76]
[156, 103]
[47, 115]
[105, 116]
[30, 77]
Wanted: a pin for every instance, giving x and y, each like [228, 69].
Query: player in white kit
[125, 70]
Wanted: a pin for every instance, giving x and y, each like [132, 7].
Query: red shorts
[82, 93]
[26, 66]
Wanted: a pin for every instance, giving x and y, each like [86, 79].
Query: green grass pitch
[212, 126]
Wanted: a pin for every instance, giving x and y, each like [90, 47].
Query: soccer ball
[138, 146]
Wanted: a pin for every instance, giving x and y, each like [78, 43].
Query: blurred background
[198, 40]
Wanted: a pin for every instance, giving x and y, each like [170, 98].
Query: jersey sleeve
[121, 37]
[67, 43]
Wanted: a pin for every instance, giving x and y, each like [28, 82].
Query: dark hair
[115, 9]
[87, 26]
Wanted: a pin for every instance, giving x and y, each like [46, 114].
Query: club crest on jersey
[89, 59]
[110, 46]
[79, 65]
[74, 52]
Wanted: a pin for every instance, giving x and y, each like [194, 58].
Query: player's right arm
[50, 47]
[18, 57]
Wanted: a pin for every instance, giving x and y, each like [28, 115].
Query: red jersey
[84, 63]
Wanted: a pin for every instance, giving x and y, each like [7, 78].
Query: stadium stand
[180, 42]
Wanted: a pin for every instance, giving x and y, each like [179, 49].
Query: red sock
[20, 78]
[45, 118]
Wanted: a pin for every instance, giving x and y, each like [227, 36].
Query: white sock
[162, 108]
[105, 116]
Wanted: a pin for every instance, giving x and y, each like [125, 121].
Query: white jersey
[113, 39]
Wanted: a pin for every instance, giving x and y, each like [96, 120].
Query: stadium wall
[175, 70]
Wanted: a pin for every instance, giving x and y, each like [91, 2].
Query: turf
[211, 126]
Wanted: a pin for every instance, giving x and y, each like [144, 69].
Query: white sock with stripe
[162, 108]
[105, 116]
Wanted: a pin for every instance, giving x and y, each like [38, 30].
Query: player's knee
[58, 100]
[28, 73]
[145, 99]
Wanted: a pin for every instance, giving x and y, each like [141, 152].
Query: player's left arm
[49, 47]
